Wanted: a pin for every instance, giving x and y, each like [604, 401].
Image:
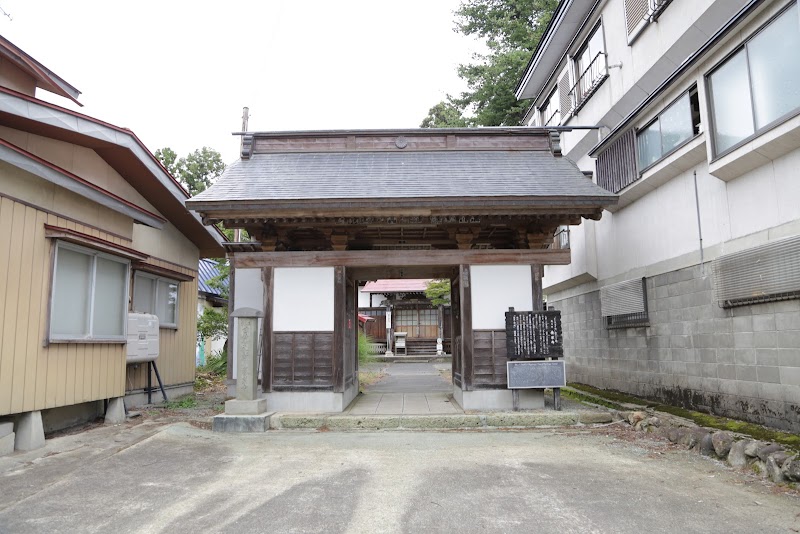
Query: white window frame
[664, 154]
[90, 337]
[551, 100]
[582, 92]
[709, 86]
[156, 279]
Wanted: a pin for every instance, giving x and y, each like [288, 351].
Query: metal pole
[699, 227]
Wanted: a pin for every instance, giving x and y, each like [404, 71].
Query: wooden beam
[266, 332]
[381, 258]
[423, 271]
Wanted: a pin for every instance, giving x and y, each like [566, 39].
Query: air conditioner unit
[142, 338]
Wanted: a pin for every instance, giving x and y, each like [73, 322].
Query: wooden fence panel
[302, 360]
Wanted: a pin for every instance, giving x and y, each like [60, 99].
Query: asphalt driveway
[177, 478]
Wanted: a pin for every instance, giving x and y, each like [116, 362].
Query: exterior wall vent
[635, 12]
[624, 304]
[764, 273]
[616, 165]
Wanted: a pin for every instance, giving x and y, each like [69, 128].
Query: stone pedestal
[6, 438]
[247, 412]
[30, 432]
[115, 413]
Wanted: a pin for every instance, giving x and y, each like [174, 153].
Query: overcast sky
[179, 73]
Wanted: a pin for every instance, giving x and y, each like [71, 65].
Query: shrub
[365, 354]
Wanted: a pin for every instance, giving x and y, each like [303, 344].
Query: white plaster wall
[376, 299]
[303, 299]
[494, 289]
[662, 225]
[363, 299]
[583, 263]
[249, 289]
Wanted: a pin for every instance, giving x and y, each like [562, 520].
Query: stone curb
[768, 460]
[437, 422]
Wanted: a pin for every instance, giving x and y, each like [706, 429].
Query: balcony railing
[589, 80]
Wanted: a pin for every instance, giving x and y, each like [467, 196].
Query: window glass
[167, 302]
[89, 295]
[730, 96]
[158, 296]
[109, 298]
[649, 145]
[144, 292]
[73, 278]
[775, 68]
[676, 124]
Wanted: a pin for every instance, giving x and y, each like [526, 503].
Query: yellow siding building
[92, 227]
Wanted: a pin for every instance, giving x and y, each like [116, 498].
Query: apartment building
[688, 290]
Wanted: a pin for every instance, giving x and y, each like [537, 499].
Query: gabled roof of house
[122, 150]
[45, 78]
[37, 166]
[410, 285]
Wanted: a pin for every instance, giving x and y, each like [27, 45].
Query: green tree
[438, 291]
[511, 29]
[197, 171]
[168, 159]
[445, 114]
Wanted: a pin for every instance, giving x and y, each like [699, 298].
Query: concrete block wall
[742, 362]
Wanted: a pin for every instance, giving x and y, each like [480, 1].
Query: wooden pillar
[339, 326]
[536, 284]
[267, 277]
[231, 307]
[466, 327]
[350, 357]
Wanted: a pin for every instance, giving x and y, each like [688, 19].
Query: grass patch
[752, 430]
[611, 395]
[365, 354]
[212, 375]
[586, 399]
[367, 378]
[187, 401]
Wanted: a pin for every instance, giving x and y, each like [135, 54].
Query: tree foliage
[438, 291]
[213, 323]
[197, 171]
[445, 114]
[511, 29]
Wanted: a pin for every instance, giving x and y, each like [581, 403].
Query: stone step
[486, 421]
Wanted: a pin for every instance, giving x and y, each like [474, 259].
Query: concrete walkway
[412, 377]
[403, 404]
[407, 388]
